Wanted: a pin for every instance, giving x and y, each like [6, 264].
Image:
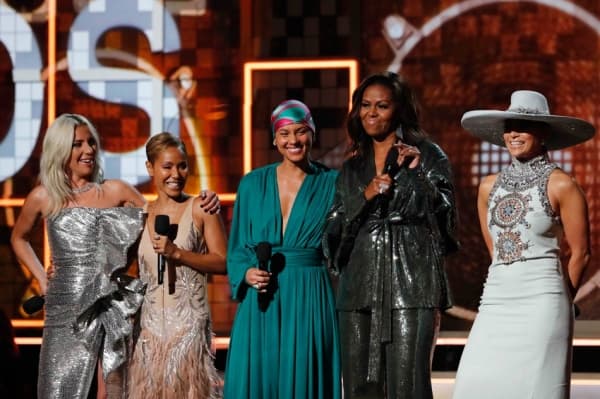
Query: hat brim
[566, 131]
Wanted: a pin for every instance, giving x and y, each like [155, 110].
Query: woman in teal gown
[284, 340]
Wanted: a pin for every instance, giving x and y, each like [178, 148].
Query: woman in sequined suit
[172, 356]
[92, 223]
[520, 343]
[391, 224]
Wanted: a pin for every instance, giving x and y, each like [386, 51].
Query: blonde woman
[91, 223]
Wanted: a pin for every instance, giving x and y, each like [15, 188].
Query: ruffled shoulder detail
[111, 298]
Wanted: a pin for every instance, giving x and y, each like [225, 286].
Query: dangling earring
[274, 143]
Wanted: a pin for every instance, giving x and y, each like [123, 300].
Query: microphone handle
[161, 269]
[171, 275]
[262, 265]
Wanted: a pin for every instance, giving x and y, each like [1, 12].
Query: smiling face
[294, 142]
[524, 139]
[377, 111]
[169, 171]
[83, 154]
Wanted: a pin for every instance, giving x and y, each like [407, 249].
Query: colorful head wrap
[291, 111]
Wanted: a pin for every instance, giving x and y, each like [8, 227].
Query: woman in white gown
[520, 343]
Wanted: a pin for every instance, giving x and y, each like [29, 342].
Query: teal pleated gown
[284, 344]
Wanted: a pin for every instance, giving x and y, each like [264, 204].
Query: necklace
[520, 175]
[86, 187]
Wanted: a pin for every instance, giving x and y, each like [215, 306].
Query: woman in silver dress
[520, 343]
[90, 230]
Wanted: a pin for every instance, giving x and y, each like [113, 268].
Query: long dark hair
[406, 112]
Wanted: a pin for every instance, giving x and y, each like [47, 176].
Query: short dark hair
[160, 142]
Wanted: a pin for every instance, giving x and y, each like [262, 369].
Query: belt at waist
[397, 218]
[297, 257]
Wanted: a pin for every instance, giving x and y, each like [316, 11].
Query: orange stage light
[250, 67]
[51, 61]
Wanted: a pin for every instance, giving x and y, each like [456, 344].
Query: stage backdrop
[137, 68]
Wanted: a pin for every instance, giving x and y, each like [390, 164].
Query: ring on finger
[256, 286]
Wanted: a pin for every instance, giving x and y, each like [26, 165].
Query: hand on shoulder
[206, 205]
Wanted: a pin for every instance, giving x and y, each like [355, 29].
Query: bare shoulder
[559, 177]
[37, 201]
[38, 197]
[197, 211]
[199, 214]
[39, 193]
[487, 182]
[561, 182]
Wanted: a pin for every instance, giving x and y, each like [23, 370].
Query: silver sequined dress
[520, 343]
[88, 305]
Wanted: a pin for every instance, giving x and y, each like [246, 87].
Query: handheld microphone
[161, 227]
[391, 162]
[390, 168]
[263, 254]
[34, 304]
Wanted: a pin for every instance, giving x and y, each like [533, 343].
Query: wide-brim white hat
[527, 105]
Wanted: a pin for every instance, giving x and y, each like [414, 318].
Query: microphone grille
[263, 251]
[161, 224]
[391, 159]
[33, 304]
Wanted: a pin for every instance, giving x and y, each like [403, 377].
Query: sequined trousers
[406, 360]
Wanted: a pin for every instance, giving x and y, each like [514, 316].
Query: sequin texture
[87, 309]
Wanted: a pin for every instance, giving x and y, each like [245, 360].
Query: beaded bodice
[521, 220]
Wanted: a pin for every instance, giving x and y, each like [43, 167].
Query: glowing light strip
[51, 61]
[18, 202]
[10, 202]
[461, 341]
[51, 103]
[582, 380]
[28, 340]
[27, 323]
[225, 198]
[250, 67]
[223, 342]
